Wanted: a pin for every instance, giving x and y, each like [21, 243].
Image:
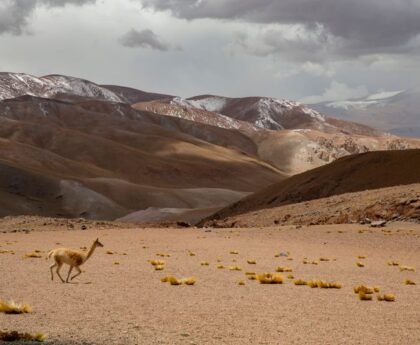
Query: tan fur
[73, 258]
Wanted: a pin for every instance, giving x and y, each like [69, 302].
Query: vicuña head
[72, 257]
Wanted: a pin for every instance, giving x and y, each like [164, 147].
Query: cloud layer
[338, 27]
[14, 14]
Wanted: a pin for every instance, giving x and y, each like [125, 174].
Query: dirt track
[127, 304]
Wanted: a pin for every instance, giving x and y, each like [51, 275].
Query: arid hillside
[368, 171]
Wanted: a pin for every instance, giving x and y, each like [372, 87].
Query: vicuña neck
[90, 252]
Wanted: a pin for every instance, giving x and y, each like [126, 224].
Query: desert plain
[119, 298]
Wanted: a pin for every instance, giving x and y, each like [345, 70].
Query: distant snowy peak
[262, 112]
[380, 98]
[14, 85]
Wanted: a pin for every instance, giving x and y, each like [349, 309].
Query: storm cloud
[344, 28]
[14, 14]
[143, 39]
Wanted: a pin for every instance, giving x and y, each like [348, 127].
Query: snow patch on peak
[212, 103]
[14, 85]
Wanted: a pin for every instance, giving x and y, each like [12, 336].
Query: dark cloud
[14, 14]
[143, 39]
[357, 27]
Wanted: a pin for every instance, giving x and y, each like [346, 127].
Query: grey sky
[308, 50]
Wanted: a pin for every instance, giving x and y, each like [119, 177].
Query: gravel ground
[127, 303]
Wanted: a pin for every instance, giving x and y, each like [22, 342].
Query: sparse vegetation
[268, 278]
[235, 268]
[387, 297]
[299, 282]
[365, 289]
[407, 268]
[360, 264]
[189, 281]
[283, 269]
[220, 267]
[241, 282]
[10, 336]
[363, 296]
[32, 255]
[11, 307]
[409, 282]
[251, 262]
[235, 252]
[204, 263]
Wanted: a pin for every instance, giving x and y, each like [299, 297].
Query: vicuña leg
[58, 271]
[68, 275]
[79, 271]
[51, 270]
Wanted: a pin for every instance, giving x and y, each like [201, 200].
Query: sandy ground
[127, 303]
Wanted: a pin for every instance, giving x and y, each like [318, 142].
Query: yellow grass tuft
[283, 269]
[165, 279]
[110, 252]
[407, 268]
[7, 252]
[234, 252]
[387, 297]
[376, 289]
[250, 273]
[252, 277]
[324, 259]
[314, 262]
[409, 282]
[12, 336]
[173, 281]
[299, 282]
[204, 263]
[220, 267]
[290, 276]
[393, 263]
[365, 289]
[189, 281]
[363, 296]
[268, 278]
[359, 264]
[235, 268]
[32, 255]
[361, 257]
[241, 282]
[116, 263]
[251, 262]
[159, 267]
[157, 262]
[12, 307]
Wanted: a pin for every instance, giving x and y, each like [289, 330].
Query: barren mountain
[397, 112]
[361, 172]
[104, 160]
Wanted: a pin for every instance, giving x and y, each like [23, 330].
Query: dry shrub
[165, 279]
[159, 267]
[290, 259]
[361, 257]
[32, 255]
[363, 296]
[191, 254]
[299, 282]
[173, 281]
[314, 262]
[10, 336]
[365, 289]
[7, 252]
[157, 262]
[234, 252]
[241, 282]
[204, 263]
[409, 282]
[220, 267]
[323, 284]
[290, 276]
[324, 259]
[393, 263]
[12, 307]
[407, 268]
[268, 278]
[251, 262]
[189, 281]
[283, 269]
[250, 273]
[110, 252]
[387, 297]
[359, 264]
[376, 289]
[235, 268]
[116, 263]
[252, 277]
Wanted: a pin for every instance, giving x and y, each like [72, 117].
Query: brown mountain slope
[105, 160]
[354, 173]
